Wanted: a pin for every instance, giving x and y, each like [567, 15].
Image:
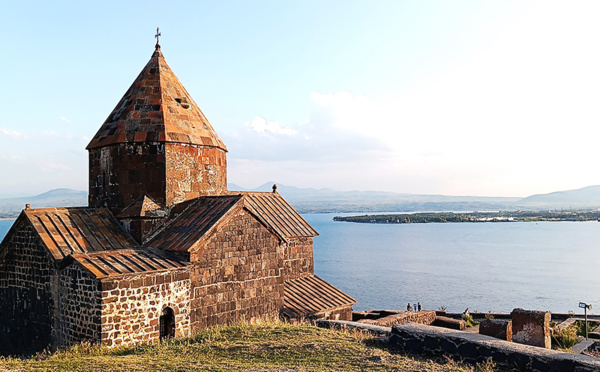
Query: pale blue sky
[450, 97]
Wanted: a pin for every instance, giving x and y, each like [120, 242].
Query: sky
[485, 98]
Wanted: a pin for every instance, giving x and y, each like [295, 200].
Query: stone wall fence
[477, 348]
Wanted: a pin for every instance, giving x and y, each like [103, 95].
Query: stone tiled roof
[206, 214]
[67, 231]
[128, 261]
[312, 295]
[156, 108]
[278, 214]
[202, 215]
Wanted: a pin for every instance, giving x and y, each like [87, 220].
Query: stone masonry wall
[194, 171]
[132, 306]
[236, 274]
[120, 174]
[79, 307]
[26, 286]
[298, 258]
[169, 173]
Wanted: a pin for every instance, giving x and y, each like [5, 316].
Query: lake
[483, 266]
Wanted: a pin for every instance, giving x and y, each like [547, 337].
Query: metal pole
[585, 308]
[586, 334]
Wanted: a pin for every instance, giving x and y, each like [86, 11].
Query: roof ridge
[112, 251]
[58, 208]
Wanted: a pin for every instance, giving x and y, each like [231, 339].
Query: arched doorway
[167, 324]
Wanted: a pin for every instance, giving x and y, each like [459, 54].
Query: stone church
[163, 249]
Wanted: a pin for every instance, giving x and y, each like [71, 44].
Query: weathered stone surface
[388, 318]
[193, 171]
[132, 315]
[236, 276]
[531, 328]
[27, 279]
[298, 258]
[501, 329]
[422, 317]
[79, 299]
[476, 348]
[451, 323]
[348, 325]
[365, 315]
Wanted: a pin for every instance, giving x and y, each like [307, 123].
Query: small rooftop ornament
[158, 34]
[274, 187]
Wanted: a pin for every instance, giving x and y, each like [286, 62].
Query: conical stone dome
[156, 142]
[156, 108]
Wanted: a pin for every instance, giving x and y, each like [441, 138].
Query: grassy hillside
[263, 346]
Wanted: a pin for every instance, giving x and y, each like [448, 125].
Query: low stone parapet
[583, 346]
[476, 348]
[566, 324]
[497, 328]
[345, 325]
[388, 318]
[421, 317]
[445, 322]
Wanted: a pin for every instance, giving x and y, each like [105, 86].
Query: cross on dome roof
[158, 34]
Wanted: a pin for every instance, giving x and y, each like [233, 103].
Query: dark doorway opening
[167, 324]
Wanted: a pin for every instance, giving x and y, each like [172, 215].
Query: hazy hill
[587, 197]
[11, 207]
[328, 200]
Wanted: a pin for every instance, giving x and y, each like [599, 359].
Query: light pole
[585, 308]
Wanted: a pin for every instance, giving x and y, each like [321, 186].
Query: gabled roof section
[279, 214]
[128, 261]
[206, 214]
[66, 231]
[156, 108]
[144, 206]
[312, 295]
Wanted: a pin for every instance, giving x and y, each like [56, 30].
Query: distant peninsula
[502, 216]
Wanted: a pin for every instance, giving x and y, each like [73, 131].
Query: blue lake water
[483, 266]
[4, 227]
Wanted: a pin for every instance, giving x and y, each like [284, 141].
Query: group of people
[417, 307]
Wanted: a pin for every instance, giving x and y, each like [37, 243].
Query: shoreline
[473, 217]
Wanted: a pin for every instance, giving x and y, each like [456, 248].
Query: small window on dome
[183, 102]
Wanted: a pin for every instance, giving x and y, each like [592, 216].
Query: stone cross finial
[158, 34]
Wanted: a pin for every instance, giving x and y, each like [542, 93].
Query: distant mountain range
[54, 198]
[328, 200]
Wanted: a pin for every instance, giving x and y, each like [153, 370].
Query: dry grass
[261, 346]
